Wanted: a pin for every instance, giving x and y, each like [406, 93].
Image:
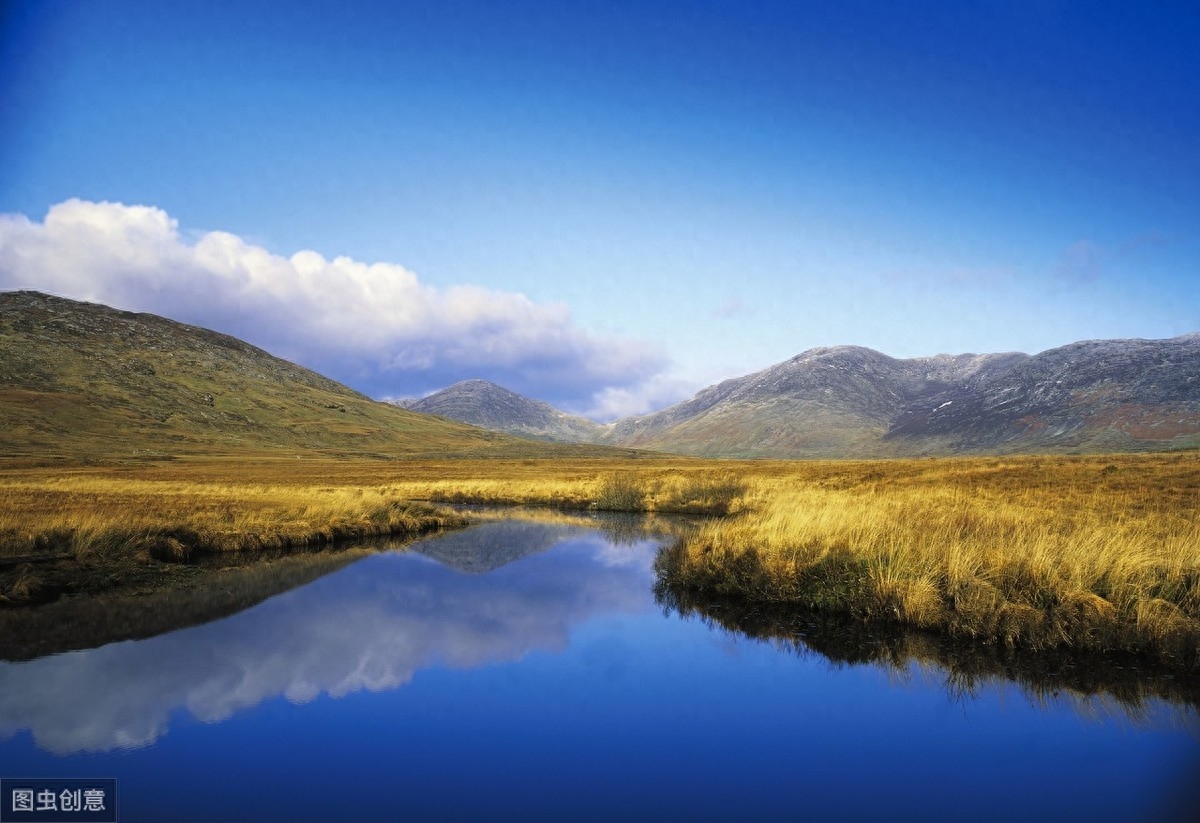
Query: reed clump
[620, 492]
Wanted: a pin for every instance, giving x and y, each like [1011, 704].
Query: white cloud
[656, 392]
[375, 326]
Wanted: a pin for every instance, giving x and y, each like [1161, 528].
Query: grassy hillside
[83, 380]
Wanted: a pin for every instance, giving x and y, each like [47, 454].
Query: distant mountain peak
[827, 352]
[80, 377]
[491, 406]
[480, 383]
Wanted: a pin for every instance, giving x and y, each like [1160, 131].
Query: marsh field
[1088, 552]
[637, 638]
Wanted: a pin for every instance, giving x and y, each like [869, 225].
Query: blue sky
[608, 205]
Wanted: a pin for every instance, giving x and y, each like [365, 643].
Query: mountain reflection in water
[369, 626]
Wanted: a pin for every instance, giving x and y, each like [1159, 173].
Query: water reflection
[234, 582]
[488, 595]
[1090, 684]
[240, 582]
[370, 626]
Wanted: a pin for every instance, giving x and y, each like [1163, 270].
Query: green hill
[82, 380]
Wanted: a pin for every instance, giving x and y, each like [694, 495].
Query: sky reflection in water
[527, 672]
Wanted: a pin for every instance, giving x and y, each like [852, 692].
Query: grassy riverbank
[136, 525]
[1092, 553]
[95, 531]
[1095, 552]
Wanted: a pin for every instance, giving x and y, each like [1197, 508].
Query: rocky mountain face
[848, 401]
[1099, 395]
[1095, 395]
[838, 401]
[489, 406]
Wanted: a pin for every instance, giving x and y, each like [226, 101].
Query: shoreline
[1094, 552]
[124, 560]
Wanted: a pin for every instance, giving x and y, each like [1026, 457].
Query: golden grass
[94, 530]
[131, 524]
[1098, 552]
[1090, 551]
[88, 516]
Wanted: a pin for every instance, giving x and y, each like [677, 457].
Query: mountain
[848, 401]
[1095, 395]
[489, 406]
[485, 548]
[84, 380]
[1104, 395]
[826, 402]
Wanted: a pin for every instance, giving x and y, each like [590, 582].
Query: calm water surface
[523, 671]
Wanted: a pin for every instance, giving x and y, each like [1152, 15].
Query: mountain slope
[826, 402]
[81, 379]
[484, 404]
[1095, 395]
[1104, 395]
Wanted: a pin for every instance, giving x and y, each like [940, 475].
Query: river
[524, 670]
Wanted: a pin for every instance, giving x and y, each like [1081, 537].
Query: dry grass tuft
[620, 492]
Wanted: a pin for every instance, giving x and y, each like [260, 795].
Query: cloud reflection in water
[370, 626]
